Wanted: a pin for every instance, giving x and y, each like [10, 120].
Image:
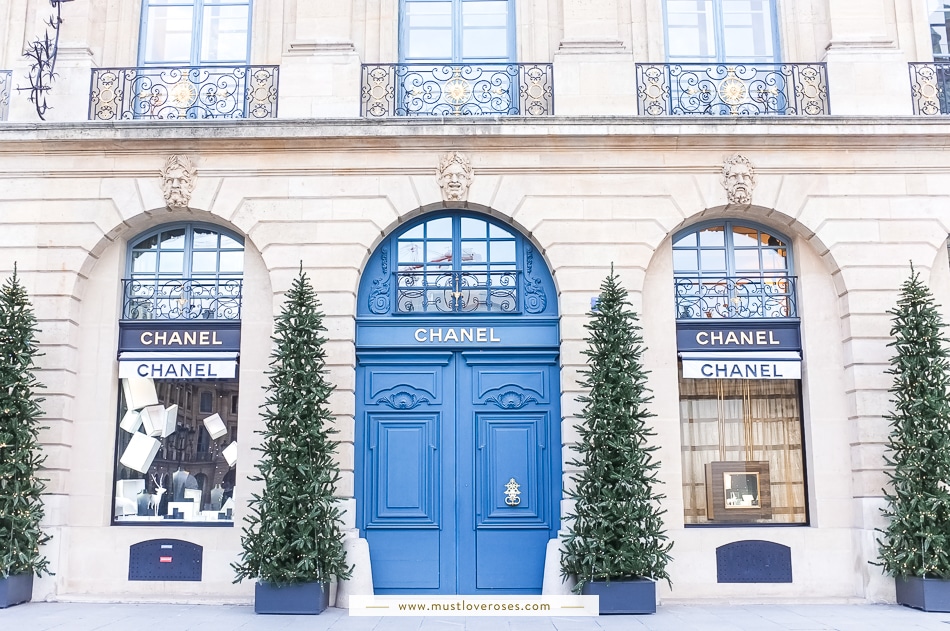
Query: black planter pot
[299, 598]
[16, 589]
[629, 595]
[928, 594]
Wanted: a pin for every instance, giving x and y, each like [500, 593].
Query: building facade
[457, 177]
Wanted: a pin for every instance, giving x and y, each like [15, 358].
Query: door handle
[512, 491]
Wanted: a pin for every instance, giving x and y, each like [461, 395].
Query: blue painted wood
[754, 561]
[450, 407]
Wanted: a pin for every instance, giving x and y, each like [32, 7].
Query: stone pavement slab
[84, 616]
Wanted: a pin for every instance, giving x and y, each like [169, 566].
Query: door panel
[442, 436]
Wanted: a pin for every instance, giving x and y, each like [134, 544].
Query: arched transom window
[733, 270]
[185, 271]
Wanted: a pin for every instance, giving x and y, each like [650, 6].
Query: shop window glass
[742, 447]
[188, 479]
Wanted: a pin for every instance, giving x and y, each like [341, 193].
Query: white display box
[171, 419]
[131, 422]
[129, 489]
[153, 420]
[139, 392]
[215, 426]
[140, 453]
[195, 496]
[230, 453]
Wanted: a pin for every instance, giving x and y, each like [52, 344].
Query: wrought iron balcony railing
[181, 298]
[928, 85]
[183, 92]
[753, 296]
[732, 89]
[480, 291]
[457, 90]
[6, 79]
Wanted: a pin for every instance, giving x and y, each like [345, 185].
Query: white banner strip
[474, 605]
[741, 369]
[177, 369]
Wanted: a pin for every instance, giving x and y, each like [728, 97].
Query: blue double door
[458, 469]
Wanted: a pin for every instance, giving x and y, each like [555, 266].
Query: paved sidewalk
[145, 617]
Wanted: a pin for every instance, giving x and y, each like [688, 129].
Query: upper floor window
[195, 32]
[731, 270]
[457, 31]
[717, 31]
[939, 22]
[185, 271]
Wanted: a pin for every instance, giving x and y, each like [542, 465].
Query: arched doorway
[458, 475]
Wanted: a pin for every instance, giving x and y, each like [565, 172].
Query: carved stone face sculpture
[178, 181]
[454, 176]
[738, 178]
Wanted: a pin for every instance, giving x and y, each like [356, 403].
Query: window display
[175, 463]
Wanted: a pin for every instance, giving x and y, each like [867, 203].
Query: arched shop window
[179, 338]
[739, 348]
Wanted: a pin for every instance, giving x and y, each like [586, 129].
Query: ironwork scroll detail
[512, 491]
[42, 53]
[190, 92]
[735, 297]
[733, 89]
[5, 81]
[181, 298]
[928, 84]
[380, 298]
[457, 292]
[535, 300]
[457, 90]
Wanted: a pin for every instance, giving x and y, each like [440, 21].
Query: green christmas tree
[917, 541]
[21, 505]
[293, 531]
[617, 529]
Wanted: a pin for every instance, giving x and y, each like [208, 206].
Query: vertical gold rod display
[747, 421]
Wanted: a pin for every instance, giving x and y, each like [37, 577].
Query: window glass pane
[747, 30]
[712, 236]
[143, 262]
[439, 252]
[188, 477]
[172, 263]
[742, 439]
[232, 262]
[712, 260]
[204, 239]
[228, 242]
[474, 252]
[173, 239]
[429, 30]
[410, 251]
[686, 240]
[168, 34]
[224, 34]
[150, 243]
[502, 251]
[474, 228]
[484, 30]
[439, 228]
[204, 263]
[498, 231]
[743, 237]
[690, 30]
[939, 27]
[774, 259]
[747, 260]
[684, 260]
